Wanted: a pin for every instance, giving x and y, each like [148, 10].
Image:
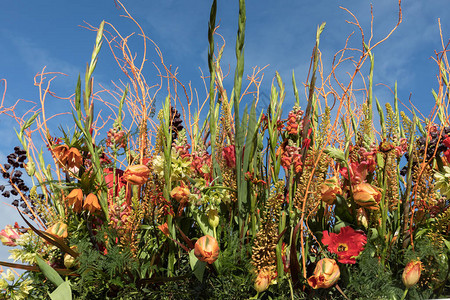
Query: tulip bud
[207, 249]
[8, 236]
[326, 274]
[361, 217]
[366, 195]
[329, 189]
[263, 280]
[69, 260]
[58, 229]
[213, 218]
[137, 174]
[411, 273]
[91, 203]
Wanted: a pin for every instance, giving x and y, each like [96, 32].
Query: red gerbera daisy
[347, 244]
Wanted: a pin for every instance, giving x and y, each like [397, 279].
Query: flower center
[342, 247]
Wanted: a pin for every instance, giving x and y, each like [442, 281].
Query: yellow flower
[91, 203]
[411, 273]
[366, 195]
[207, 249]
[326, 274]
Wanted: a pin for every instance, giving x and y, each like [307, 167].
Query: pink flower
[9, 235]
[229, 155]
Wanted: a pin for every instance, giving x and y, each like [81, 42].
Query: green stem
[404, 294]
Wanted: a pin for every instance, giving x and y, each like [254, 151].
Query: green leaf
[49, 272]
[197, 266]
[335, 153]
[63, 292]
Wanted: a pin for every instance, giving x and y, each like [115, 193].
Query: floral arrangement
[206, 200]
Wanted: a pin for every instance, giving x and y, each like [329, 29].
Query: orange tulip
[366, 195]
[58, 229]
[207, 249]
[181, 194]
[329, 189]
[411, 273]
[137, 174]
[91, 203]
[75, 198]
[326, 274]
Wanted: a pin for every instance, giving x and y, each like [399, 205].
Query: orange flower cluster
[75, 199]
[290, 155]
[292, 123]
[68, 157]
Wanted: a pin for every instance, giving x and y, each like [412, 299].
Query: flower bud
[411, 273]
[207, 249]
[137, 174]
[366, 195]
[326, 274]
[8, 236]
[58, 229]
[361, 217]
[69, 260]
[213, 218]
[263, 280]
[75, 199]
[329, 189]
[91, 203]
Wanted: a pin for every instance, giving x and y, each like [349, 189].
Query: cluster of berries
[11, 173]
[176, 125]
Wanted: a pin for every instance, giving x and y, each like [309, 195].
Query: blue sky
[35, 34]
